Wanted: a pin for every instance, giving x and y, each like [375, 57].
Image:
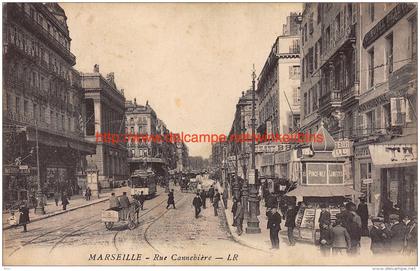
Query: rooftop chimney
[96, 68]
[135, 101]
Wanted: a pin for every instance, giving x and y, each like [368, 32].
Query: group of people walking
[214, 196]
[399, 235]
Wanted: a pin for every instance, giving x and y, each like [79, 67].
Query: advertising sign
[343, 148]
[391, 155]
[324, 173]
[317, 173]
[272, 148]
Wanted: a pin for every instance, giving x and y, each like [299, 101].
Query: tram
[142, 180]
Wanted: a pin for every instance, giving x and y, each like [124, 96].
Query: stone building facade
[105, 107]
[42, 101]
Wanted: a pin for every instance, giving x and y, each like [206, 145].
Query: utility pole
[39, 209]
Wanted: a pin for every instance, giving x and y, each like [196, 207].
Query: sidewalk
[76, 202]
[262, 241]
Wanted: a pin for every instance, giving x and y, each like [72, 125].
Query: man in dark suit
[290, 223]
[197, 205]
[273, 224]
[203, 196]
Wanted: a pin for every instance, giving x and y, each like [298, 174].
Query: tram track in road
[154, 221]
[149, 223]
[31, 241]
[114, 239]
[63, 238]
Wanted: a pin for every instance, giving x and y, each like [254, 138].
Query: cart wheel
[131, 221]
[108, 225]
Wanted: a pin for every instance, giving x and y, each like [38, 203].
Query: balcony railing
[339, 39]
[330, 98]
[21, 15]
[350, 91]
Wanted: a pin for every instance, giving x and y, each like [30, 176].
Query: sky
[189, 61]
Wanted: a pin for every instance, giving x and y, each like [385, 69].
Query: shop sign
[388, 155]
[267, 160]
[367, 181]
[386, 23]
[361, 152]
[307, 151]
[343, 148]
[15, 170]
[272, 148]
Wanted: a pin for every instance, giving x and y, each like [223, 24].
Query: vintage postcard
[210, 134]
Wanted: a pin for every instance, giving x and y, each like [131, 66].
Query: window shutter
[379, 119]
[409, 110]
[364, 124]
[397, 111]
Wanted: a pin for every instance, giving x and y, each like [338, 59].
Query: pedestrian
[234, 207]
[125, 205]
[197, 204]
[64, 201]
[136, 205]
[410, 243]
[56, 197]
[24, 215]
[325, 230]
[239, 217]
[171, 199]
[290, 223]
[362, 211]
[273, 224]
[203, 196]
[354, 228]
[340, 237]
[88, 193]
[378, 236]
[142, 199]
[216, 201]
[387, 209]
[398, 231]
[211, 193]
[114, 203]
[225, 196]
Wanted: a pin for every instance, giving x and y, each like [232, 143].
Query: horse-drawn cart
[130, 217]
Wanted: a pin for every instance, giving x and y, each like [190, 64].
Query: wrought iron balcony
[332, 99]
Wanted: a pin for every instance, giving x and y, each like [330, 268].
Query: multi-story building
[359, 79]
[237, 144]
[105, 105]
[386, 150]
[330, 63]
[42, 102]
[278, 93]
[148, 152]
[182, 164]
[278, 84]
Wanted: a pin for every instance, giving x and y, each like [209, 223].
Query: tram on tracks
[143, 181]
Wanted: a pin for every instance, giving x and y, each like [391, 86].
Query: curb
[235, 238]
[59, 212]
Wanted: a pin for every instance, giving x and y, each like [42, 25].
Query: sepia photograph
[209, 134]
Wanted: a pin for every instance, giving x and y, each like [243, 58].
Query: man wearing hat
[379, 236]
[362, 211]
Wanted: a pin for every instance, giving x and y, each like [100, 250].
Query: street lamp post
[245, 162]
[253, 224]
[39, 209]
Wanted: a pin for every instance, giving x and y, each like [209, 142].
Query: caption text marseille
[209, 138]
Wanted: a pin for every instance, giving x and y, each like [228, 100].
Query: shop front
[322, 182]
[396, 161]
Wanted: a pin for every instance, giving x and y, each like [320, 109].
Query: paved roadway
[74, 237]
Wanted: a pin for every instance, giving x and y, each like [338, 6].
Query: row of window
[49, 27]
[311, 100]
[42, 114]
[34, 48]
